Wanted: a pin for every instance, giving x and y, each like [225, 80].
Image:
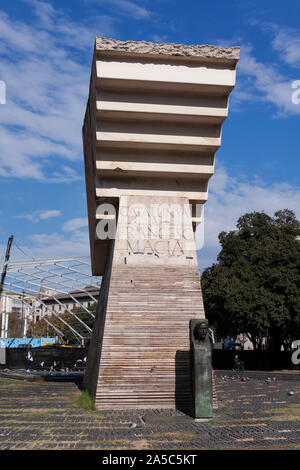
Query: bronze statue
[201, 369]
[200, 331]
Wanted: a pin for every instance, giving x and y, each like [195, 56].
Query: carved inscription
[158, 247]
[157, 229]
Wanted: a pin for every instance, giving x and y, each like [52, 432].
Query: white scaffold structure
[39, 289]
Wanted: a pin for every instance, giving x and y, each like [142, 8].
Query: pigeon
[291, 393]
[133, 425]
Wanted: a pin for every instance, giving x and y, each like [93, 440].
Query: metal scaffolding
[44, 286]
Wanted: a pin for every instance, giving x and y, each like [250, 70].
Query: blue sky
[45, 56]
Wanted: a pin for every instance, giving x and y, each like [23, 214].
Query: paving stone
[250, 414]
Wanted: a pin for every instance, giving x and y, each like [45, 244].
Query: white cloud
[229, 198]
[159, 38]
[286, 41]
[53, 245]
[47, 76]
[76, 35]
[269, 81]
[44, 11]
[40, 215]
[49, 214]
[288, 46]
[137, 12]
[74, 224]
[257, 82]
[57, 245]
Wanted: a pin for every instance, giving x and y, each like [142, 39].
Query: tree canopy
[254, 289]
[41, 328]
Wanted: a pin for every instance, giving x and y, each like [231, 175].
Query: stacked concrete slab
[152, 127]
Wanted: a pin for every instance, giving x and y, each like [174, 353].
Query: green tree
[14, 325]
[76, 325]
[40, 328]
[254, 288]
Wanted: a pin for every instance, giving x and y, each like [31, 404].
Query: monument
[201, 370]
[151, 129]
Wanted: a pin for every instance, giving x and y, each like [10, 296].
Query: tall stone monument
[151, 129]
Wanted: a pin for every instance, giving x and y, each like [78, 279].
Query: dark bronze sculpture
[201, 369]
[200, 331]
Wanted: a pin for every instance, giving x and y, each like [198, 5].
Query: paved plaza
[255, 413]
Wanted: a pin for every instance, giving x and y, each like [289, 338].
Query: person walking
[29, 357]
[237, 363]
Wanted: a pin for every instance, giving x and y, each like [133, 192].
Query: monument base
[139, 355]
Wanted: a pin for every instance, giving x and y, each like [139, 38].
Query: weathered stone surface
[144, 47]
